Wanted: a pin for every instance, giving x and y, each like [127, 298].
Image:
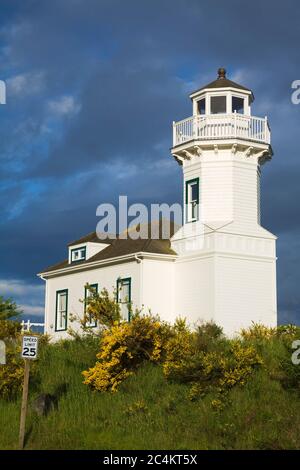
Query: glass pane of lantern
[201, 106]
[237, 105]
[218, 104]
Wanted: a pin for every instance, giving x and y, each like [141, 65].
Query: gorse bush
[11, 374]
[202, 358]
[220, 365]
[9, 330]
[124, 347]
[260, 332]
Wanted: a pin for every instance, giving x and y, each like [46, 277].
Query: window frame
[73, 250]
[94, 323]
[212, 97]
[122, 281]
[188, 202]
[59, 292]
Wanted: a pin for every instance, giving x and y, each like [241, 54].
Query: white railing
[27, 326]
[221, 126]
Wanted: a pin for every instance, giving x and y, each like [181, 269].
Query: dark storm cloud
[93, 86]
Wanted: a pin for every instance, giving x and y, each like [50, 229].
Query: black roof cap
[222, 82]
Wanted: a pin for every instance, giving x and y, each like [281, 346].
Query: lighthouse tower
[226, 268]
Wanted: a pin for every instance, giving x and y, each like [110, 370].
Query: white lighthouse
[226, 265]
[220, 265]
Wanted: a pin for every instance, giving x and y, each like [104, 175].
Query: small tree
[100, 307]
[8, 309]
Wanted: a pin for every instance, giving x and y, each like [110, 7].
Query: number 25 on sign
[29, 352]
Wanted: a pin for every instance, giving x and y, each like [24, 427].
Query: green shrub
[207, 361]
[207, 335]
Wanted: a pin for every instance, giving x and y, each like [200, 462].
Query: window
[91, 323]
[192, 200]
[78, 254]
[61, 310]
[237, 104]
[124, 297]
[218, 104]
[201, 106]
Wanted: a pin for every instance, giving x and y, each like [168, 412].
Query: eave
[106, 262]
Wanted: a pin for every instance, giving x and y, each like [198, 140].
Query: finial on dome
[221, 73]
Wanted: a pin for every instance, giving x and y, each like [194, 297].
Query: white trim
[217, 90]
[115, 260]
[225, 254]
[221, 143]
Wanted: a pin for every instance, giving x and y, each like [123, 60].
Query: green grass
[149, 413]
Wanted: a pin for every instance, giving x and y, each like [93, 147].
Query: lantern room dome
[222, 82]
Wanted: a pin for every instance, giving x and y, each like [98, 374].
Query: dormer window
[218, 105]
[237, 105]
[78, 254]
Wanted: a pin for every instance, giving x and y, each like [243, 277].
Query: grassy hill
[150, 413]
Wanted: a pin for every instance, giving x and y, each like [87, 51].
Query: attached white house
[221, 264]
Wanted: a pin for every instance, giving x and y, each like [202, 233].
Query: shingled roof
[222, 82]
[123, 246]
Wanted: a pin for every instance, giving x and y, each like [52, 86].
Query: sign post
[29, 352]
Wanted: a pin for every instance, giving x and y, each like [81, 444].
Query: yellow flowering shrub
[202, 358]
[206, 370]
[288, 330]
[258, 331]
[240, 365]
[11, 374]
[124, 347]
[178, 349]
[9, 329]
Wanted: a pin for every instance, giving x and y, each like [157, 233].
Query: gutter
[134, 256]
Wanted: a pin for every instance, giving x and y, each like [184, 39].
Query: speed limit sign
[29, 351]
[29, 347]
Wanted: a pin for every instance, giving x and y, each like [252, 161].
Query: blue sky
[92, 89]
